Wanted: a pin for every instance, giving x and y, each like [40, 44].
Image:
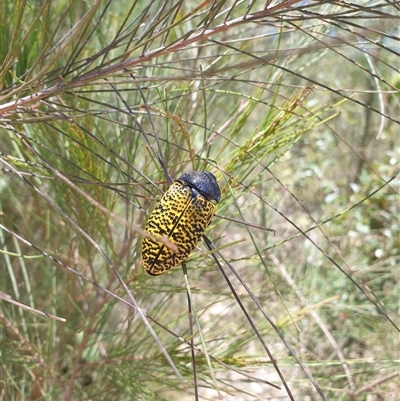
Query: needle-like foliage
[293, 106]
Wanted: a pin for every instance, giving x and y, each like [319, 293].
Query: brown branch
[7, 298]
[370, 386]
[102, 73]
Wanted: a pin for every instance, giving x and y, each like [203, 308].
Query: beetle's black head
[203, 182]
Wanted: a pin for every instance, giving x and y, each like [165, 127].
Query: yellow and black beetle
[182, 215]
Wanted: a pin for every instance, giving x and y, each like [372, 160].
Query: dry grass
[294, 107]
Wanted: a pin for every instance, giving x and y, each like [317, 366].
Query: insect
[182, 215]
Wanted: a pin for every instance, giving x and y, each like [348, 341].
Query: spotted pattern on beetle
[182, 215]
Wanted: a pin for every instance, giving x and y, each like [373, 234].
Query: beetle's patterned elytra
[182, 215]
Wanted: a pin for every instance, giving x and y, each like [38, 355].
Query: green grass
[296, 113]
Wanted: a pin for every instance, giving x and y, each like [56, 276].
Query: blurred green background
[293, 106]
